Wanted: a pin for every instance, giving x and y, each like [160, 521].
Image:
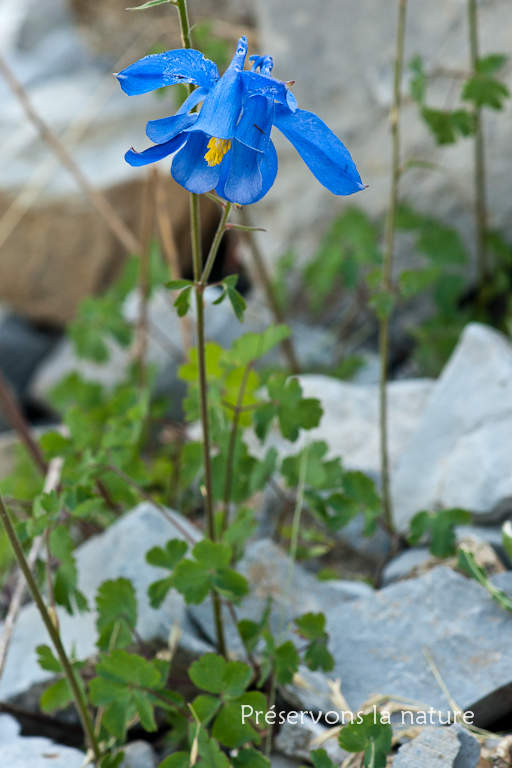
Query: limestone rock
[33, 751]
[298, 740]
[378, 643]
[459, 455]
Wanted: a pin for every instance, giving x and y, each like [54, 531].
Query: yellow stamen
[217, 148]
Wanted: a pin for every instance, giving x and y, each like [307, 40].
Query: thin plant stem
[479, 159]
[195, 223]
[297, 513]
[387, 269]
[99, 201]
[273, 302]
[214, 249]
[67, 669]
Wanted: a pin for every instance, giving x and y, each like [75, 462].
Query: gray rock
[298, 740]
[139, 754]
[459, 455]
[433, 748]
[280, 761]
[469, 753]
[343, 72]
[401, 566]
[377, 644]
[349, 423]
[266, 568]
[33, 751]
[118, 552]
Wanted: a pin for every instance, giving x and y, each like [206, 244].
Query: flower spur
[227, 146]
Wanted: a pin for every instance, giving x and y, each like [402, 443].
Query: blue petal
[244, 181]
[268, 170]
[263, 85]
[190, 169]
[167, 128]
[221, 108]
[255, 125]
[197, 95]
[159, 69]
[321, 150]
[246, 175]
[155, 153]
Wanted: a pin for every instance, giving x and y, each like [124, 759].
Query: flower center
[217, 148]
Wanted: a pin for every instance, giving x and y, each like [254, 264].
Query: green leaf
[144, 710]
[47, 660]
[230, 584]
[167, 557]
[374, 738]
[229, 727]
[286, 662]
[123, 667]
[250, 758]
[214, 674]
[447, 126]
[157, 591]
[441, 526]
[317, 656]
[492, 63]
[485, 91]
[182, 302]
[178, 759]
[192, 579]
[57, 696]
[416, 281]
[177, 285]
[237, 302]
[206, 707]
[117, 613]
[311, 626]
[321, 759]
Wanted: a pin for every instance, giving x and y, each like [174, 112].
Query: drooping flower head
[226, 146]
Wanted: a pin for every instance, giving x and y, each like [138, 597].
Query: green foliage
[117, 614]
[209, 570]
[292, 411]
[311, 626]
[372, 738]
[466, 562]
[439, 526]
[235, 298]
[348, 248]
[229, 680]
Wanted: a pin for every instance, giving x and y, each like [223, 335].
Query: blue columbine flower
[227, 146]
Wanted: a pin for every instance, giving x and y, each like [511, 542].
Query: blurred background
[57, 249]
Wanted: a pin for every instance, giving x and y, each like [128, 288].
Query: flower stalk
[200, 279]
[387, 268]
[479, 159]
[52, 629]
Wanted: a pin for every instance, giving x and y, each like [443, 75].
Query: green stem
[67, 669]
[214, 249]
[387, 268]
[479, 159]
[195, 224]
